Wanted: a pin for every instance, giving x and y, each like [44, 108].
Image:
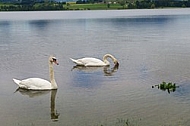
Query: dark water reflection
[40, 25]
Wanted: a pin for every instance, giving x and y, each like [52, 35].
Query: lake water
[151, 46]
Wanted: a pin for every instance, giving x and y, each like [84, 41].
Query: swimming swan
[89, 61]
[38, 83]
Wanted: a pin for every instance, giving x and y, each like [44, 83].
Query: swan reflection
[32, 93]
[106, 69]
[54, 114]
[109, 71]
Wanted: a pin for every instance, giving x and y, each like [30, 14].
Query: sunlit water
[151, 46]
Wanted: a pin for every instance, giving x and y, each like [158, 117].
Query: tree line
[32, 5]
[143, 4]
[160, 4]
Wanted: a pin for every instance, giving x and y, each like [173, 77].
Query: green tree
[123, 3]
[153, 6]
[108, 5]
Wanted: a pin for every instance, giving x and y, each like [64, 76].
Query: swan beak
[55, 61]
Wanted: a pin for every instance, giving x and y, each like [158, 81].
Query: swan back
[33, 84]
[88, 61]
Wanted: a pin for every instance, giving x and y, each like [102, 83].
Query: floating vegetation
[119, 122]
[170, 87]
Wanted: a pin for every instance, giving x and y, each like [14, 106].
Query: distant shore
[64, 6]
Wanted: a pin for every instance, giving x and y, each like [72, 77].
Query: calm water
[152, 46]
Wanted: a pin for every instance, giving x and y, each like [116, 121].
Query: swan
[89, 61]
[38, 83]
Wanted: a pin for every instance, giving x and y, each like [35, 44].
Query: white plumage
[38, 83]
[33, 84]
[89, 61]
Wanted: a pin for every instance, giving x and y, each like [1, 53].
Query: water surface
[152, 46]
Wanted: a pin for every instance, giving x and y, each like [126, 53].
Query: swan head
[116, 62]
[53, 59]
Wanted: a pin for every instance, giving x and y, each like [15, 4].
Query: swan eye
[54, 59]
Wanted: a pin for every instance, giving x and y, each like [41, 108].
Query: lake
[152, 46]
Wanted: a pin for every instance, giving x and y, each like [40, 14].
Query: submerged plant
[170, 87]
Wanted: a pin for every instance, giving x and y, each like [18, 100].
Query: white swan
[38, 83]
[89, 61]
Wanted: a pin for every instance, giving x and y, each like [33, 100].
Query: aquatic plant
[119, 122]
[170, 87]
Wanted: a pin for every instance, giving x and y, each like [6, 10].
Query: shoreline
[75, 6]
[164, 8]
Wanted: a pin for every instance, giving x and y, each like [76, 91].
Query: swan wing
[33, 84]
[77, 62]
[92, 62]
[89, 61]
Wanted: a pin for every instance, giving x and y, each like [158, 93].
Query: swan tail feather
[17, 81]
[78, 62]
[73, 60]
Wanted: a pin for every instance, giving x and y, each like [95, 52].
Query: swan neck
[106, 61]
[51, 75]
[108, 56]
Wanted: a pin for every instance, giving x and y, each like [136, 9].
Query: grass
[98, 6]
[7, 4]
